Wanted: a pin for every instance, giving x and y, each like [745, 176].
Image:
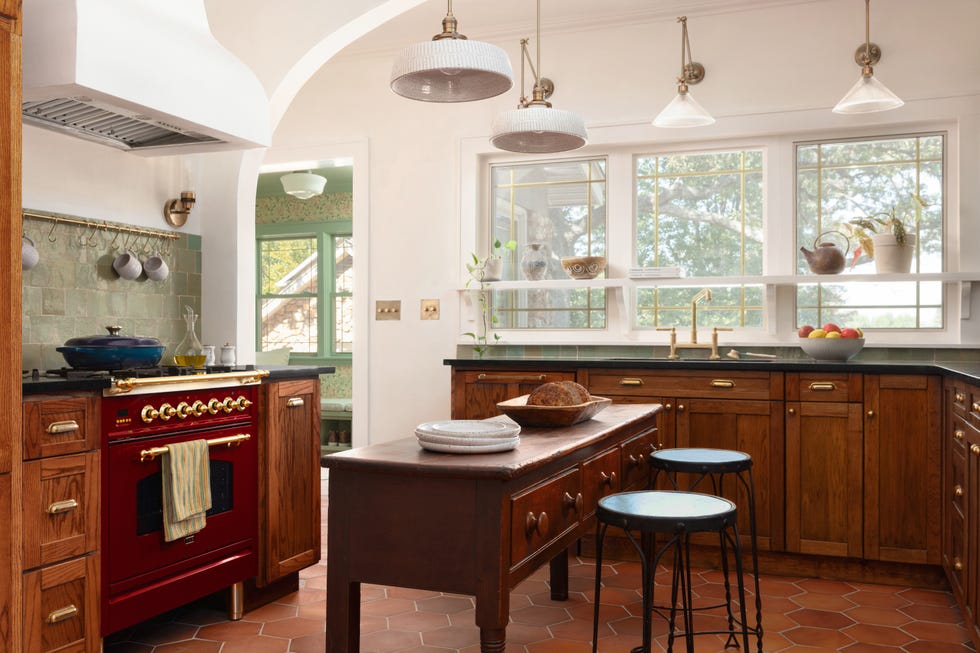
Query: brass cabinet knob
[149, 413]
[680, 408]
[958, 564]
[668, 407]
[958, 491]
[537, 524]
[791, 411]
[871, 413]
[573, 502]
[976, 407]
[975, 449]
[958, 434]
[959, 397]
[607, 479]
[167, 411]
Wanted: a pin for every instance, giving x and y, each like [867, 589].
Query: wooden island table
[473, 524]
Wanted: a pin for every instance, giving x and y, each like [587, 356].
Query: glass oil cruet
[190, 351]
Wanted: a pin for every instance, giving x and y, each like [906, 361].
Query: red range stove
[142, 574]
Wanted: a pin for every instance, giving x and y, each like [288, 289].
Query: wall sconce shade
[534, 127]
[451, 68]
[176, 211]
[868, 94]
[684, 110]
[303, 185]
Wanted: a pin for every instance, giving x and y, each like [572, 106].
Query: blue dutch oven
[111, 351]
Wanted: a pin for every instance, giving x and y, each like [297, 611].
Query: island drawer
[720, 384]
[544, 513]
[636, 460]
[600, 476]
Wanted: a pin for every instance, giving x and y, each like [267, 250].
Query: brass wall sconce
[175, 212]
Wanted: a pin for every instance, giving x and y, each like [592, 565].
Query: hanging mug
[156, 268]
[29, 256]
[127, 265]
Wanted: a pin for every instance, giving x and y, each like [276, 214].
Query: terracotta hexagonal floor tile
[820, 618]
[316, 643]
[271, 612]
[927, 597]
[871, 648]
[559, 646]
[770, 586]
[420, 621]
[299, 597]
[159, 633]
[386, 641]
[938, 647]
[387, 607]
[126, 647]
[878, 599]
[315, 610]
[453, 637]
[818, 637]
[944, 614]
[521, 634]
[869, 634]
[370, 624]
[538, 615]
[190, 646]
[577, 629]
[445, 604]
[229, 630]
[294, 627]
[878, 616]
[410, 594]
[818, 601]
[263, 644]
[824, 586]
[932, 632]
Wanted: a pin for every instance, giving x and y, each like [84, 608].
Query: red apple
[849, 333]
[830, 326]
[805, 330]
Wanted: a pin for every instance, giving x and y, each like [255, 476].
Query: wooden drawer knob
[573, 502]
[607, 479]
[537, 524]
[635, 461]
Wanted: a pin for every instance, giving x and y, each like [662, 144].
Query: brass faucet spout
[705, 294]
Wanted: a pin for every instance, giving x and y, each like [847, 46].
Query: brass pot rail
[122, 386]
[229, 441]
[99, 225]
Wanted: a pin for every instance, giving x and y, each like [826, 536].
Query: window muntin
[343, 294]
[701, 212]
[837, 181]
[552, 209]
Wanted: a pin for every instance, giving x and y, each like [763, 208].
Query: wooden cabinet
[60, 519]
[902, 468]
[289, 478]
[824, 464]
[476, 392]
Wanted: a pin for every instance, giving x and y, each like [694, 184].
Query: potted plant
[482, 271]
[884, 238]
[491, 267]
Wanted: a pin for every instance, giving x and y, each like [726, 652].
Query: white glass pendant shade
[868, 95]
[538, 129]
[683, 111]
[451, 70]
[303, 185]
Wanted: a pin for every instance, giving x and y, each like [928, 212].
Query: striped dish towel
[186, 488]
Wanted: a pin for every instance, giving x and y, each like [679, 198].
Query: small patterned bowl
[583, 267]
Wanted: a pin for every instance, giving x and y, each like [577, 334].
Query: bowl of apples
[830, 342]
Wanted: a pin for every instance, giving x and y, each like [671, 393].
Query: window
[552, 210]
[296, 309]
[700, 213]
[839, 181]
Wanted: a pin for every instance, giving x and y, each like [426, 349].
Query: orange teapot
[826, 257]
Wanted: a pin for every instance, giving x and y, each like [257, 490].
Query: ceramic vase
[534, 263]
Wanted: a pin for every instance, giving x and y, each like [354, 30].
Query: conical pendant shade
[868, 95]
[451, 70]
[683, 111]
[538, 129]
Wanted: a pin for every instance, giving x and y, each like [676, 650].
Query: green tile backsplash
[73, 290]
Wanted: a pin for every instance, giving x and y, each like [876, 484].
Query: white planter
[493, 269]
[890, 257]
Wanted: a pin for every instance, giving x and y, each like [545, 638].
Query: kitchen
[418, 164]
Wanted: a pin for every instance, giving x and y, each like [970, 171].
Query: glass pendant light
[684, 110]
[451, 68]
[303, 185]
[535, 127]
[868, 94]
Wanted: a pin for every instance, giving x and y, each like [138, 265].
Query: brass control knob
[228, 405]
[242, 403]
[183, 410]
[198, 408]
[167, 411]
[214, 406]
[149, 413]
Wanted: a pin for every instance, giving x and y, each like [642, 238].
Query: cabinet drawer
[61, 607]
[544, 513]
[710, 385]
[61, 508]
[958, 396]
[839, 388]
[956, 487]
[636, 460]
[958, 430]
[974, 407]
[600, 476]
[54, 426]
[956, 563]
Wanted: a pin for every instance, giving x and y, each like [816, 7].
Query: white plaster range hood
[145, 76]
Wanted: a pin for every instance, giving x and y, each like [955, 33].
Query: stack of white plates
[468, 436]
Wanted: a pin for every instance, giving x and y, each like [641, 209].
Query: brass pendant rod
[99, 224]
[867, 30]
[537, 47]
[685, 49]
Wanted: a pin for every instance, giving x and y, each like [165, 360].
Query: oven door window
[149, 497]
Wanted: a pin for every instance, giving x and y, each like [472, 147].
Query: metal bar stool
[677, 515]
[713, 465]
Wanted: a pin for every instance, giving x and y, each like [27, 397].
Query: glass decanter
[190, 351]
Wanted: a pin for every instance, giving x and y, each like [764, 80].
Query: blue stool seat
[712, 466]
[676, 515]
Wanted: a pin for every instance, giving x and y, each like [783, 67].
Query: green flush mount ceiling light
[535, 126]
[684, 110]
[868, 94]
[451, 68]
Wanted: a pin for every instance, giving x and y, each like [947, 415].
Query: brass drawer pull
[61, 614]
[975, 449]
[823, 386]
[791, 411]
[976, 407]
[722, 383]
[958, 491]
[959, 397]
[54, 428]
[537, 524]
[62, 506]
[511, 378]
[957, 564]
[573, 502]
[958, 434]
[294, 402]
[630, 381]
[607, 479]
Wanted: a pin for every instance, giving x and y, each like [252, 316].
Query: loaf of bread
[558, 393]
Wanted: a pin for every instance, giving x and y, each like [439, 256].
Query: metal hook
[51, 238]
[114, 239]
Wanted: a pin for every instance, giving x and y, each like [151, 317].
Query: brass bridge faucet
[704, 294]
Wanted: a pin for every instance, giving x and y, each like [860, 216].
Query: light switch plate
[430, 309]
[388, 309]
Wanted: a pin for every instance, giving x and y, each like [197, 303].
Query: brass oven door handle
[59, 507]
[295, 402]
[821, 386]
[230, 441]
[68, 426]
[61, 614]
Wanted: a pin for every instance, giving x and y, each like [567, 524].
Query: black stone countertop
[968, 371]
[56, 384]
